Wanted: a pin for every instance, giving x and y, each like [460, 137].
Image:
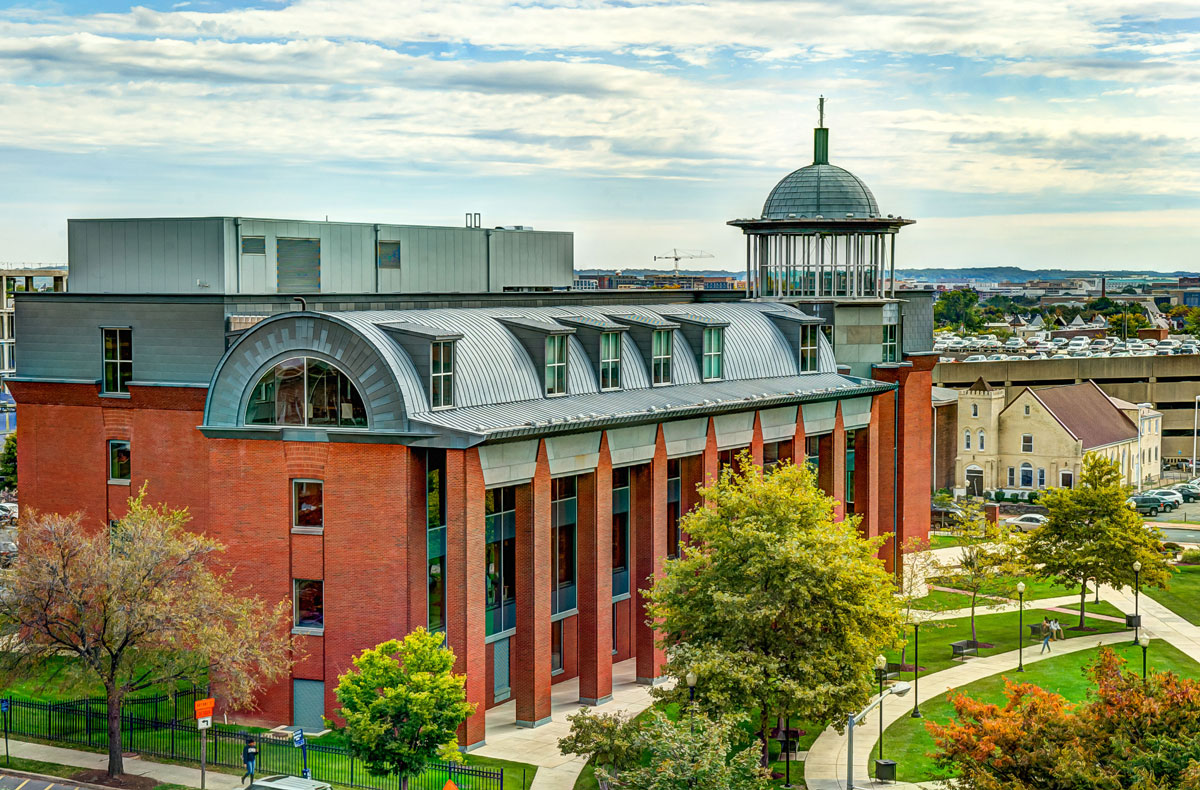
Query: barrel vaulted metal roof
[498, 390]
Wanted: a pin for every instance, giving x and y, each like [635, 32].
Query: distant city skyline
[1024, 133]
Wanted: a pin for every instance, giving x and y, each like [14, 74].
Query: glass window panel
[118, 460]
[308, 508]
[309, 597]
[289, 392]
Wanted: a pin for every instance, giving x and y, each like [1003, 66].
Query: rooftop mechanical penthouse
[507, 466]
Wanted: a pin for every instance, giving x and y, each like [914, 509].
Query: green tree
[1129, 289]
[693, 753]
[987, 557]
[612, 741]
[1192, 326]
[137, 607]
[920, 564]
[1091, 533]
[8, 463]
[959, 309]
[403, 705]
[778, 608]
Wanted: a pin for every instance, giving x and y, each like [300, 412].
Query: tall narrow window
[775, 453]
[563, 521]
[556, 647]
[308, 504]
[891, 350]
[661, 363]
[620, 531]
[808, 348]
[1027, 443]
[500, 559]
[1012, 476]
[556, 365]
[980, 437]
[308, 601]
[435, 537]
[812, 452]
[851, 437]
[674, 492]
[966, 438]
[1041, 477]
[118, 359]
[118, 461]
[610, 360]
[441, 374]
[714, 345]
[974, 409]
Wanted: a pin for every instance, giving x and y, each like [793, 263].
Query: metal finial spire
[821, 110]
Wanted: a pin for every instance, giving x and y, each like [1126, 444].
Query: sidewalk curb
[54, 779]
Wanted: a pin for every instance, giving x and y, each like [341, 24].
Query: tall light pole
[1021, 627]
[916, 714]
[1137, 588]
[1195, 428]
[881, 675]
[900, 688]
[1144, 641]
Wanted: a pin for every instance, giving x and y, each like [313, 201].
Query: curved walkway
[825, 765]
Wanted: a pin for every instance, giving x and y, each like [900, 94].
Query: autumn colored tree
[776, 606]
[1130, 733]
[1090, 533]
[137, 606]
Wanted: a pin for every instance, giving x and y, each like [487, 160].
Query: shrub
[1191, 557]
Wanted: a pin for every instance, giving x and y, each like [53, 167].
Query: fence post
[87, 717]
[172, 740]
[352, 770]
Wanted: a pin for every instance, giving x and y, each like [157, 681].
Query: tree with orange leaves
[1129, 733]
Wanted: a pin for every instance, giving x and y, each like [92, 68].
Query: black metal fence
[146, 728]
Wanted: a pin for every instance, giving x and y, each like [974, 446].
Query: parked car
[1165, 503]
[941, 516]
[288, 783]
[1189, 492]
[1146, 505]
[976, 358]
[1028, 521]
[1174, 497]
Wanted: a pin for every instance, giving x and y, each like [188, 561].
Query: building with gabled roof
[1039, 438]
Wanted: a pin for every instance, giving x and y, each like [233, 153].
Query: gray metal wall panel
[778, 424]
[172, 344]
[178, 256]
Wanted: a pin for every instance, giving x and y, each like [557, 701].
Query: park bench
[1035, 630]
[964, 648]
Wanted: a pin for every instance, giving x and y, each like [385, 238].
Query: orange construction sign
[450, 785]
[204, 707]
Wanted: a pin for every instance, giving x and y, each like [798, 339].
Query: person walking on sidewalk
[249, 755]
[1047, 632]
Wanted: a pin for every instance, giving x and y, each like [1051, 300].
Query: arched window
[306, 391]
[974, 409]
[981, 439]
[967, 439]
[1026, 475]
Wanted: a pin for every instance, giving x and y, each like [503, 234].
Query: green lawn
[1183, 596]
[946, 541]
[1036, 589]
[999, 629]
[907, 742]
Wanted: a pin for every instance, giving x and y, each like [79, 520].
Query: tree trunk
[1082, 601]
[766, 748]
[116, 765]
[974, 638]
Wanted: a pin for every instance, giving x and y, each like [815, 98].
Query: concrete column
[531, 670]
[595, 582]
[649, 483]
[466, 627]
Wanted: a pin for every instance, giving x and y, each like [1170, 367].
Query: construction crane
[677, 255]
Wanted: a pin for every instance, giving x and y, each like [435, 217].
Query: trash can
[885, 770]
[1133, 620]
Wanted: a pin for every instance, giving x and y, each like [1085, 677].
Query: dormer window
[556, 365]
[441, 374]
[661, 358]
[714, 344]
[610, 360]
[808, 348]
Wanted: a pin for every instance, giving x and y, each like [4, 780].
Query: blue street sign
[298, 738]
[3, 706]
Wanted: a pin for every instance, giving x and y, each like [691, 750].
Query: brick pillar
[832, 465]
[465, 624]
[595, 581]
[866, 471]
[418, 543]
[650, 516]
[756, 442]
[531, 671]
[883, 426]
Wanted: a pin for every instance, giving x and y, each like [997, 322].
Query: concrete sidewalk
[825, 766]
[161, 772]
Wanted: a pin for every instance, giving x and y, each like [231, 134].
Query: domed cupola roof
[820, 189]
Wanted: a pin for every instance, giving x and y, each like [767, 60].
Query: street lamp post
[900, 688]
[1144, 641]
[1195, 426]
[1021, 627]
[916, 714]
[880, 675]
[1137, 588]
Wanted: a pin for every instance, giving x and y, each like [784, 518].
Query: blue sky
[1018, 132]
